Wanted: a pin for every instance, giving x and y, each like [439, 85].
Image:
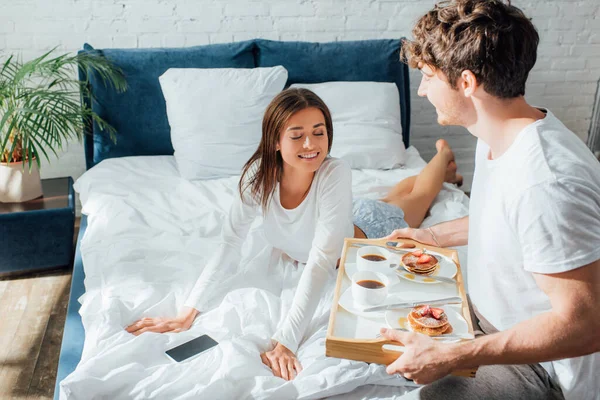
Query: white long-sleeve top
[312, 233]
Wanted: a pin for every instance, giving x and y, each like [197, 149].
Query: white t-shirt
[536, 208]
[313, 233]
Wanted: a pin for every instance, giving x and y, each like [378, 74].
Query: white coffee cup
[382, 265]
[369, 296]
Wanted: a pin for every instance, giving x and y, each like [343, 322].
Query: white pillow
[216, 116]
[366, 122]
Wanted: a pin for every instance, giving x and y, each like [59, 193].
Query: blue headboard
[139, 114]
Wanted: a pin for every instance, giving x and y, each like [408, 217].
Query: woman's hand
[282, 362]
[425, 236]
[163, 325]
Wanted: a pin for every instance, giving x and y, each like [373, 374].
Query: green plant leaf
[40, 101]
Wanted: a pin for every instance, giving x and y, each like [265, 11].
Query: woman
[305, 198]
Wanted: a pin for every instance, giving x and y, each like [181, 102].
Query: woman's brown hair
[492, 39]
[263, 170]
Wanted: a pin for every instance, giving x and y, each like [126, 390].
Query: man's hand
[282, 362]
[163, 325]
[447, 234]
[424, 360]
[420, 235]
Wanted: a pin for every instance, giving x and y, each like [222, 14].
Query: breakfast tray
[354, 337]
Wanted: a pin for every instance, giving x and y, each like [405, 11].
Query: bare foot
[442, 145]
[451, 175]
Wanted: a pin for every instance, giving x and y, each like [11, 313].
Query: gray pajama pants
[505, 382]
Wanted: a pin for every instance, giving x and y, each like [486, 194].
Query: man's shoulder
[551, 152]
[547, 156]
[566, 155]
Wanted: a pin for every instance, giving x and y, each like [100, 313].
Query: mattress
[148, 237]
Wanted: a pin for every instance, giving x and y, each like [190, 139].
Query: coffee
[374, 257]
[370, 284]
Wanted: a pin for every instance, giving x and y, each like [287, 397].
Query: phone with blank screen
[191, 348]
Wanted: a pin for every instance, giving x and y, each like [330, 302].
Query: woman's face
[303, 142]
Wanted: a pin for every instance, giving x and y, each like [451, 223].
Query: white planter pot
[18, 184]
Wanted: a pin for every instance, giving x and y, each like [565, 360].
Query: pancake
[422, 272]
[430, 331]
[421, 263]
[429, 321]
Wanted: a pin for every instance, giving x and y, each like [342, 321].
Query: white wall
[564, 78]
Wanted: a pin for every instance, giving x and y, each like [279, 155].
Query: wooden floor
[33, 309]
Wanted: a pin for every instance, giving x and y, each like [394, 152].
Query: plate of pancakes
[420, 264]
[430, 321]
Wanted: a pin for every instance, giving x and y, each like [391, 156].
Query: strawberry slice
[417, 253]
[424, 259]
[424, 310]
[437, 312]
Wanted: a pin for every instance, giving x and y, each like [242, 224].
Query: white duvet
[149, 234]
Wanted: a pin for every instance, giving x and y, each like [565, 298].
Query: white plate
[446, 269]
[351, 269]
[459, 324]
[350, 305]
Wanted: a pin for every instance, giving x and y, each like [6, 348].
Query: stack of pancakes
[429, 321]
[420, 263]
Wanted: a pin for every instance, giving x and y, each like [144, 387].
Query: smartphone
[191, 348]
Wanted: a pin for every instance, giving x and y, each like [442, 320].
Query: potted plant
[40, 111]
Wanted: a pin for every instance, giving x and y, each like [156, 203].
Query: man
[534, 224]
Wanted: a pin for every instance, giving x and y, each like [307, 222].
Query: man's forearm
[546, 337]
[452, 233]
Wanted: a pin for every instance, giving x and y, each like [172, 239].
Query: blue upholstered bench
[38, 234]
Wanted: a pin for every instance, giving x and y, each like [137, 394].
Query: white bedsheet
[149, 234]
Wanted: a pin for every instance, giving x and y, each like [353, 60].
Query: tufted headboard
[139, 114]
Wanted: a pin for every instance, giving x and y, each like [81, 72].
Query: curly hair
[492, 39]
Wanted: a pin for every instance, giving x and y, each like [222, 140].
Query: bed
[143, 226]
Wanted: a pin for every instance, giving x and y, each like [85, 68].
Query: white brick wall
[563, 79]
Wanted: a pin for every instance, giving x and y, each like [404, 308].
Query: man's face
[450, 104]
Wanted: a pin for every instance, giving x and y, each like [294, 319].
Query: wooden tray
[353, 337]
